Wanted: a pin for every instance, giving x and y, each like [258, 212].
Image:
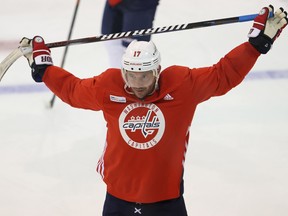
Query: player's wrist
[262, 43]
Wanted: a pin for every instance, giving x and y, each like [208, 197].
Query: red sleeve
[226, 74]
[80, 93]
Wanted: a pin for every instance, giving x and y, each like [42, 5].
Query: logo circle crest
[142, 125]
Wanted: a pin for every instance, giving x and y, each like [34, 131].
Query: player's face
[141, 83]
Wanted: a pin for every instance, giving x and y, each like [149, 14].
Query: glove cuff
[262, 43]
[37, 71]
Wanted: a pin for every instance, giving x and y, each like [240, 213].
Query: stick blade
[9, 60]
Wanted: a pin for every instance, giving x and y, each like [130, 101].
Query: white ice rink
[237, 161]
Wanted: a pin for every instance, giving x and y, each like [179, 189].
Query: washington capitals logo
[141, 125]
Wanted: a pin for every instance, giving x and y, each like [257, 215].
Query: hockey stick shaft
[70, 32]
[157, 30]
[6, 63]
[52, 101]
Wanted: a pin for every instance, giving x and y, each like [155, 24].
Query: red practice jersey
[147, 139]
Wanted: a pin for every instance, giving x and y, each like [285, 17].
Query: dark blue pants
[117, 207]
[129, 16]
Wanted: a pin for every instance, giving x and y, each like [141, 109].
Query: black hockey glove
[40, 57]
[267, 28]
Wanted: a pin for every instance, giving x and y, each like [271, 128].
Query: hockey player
[149, 112]
[124, 16]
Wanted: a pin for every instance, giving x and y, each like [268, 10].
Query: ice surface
[237, 161]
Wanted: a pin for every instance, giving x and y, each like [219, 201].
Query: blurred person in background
[123, 16]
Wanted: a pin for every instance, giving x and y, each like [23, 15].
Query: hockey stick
[52, 101]
[9, 60]
[156, 30]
